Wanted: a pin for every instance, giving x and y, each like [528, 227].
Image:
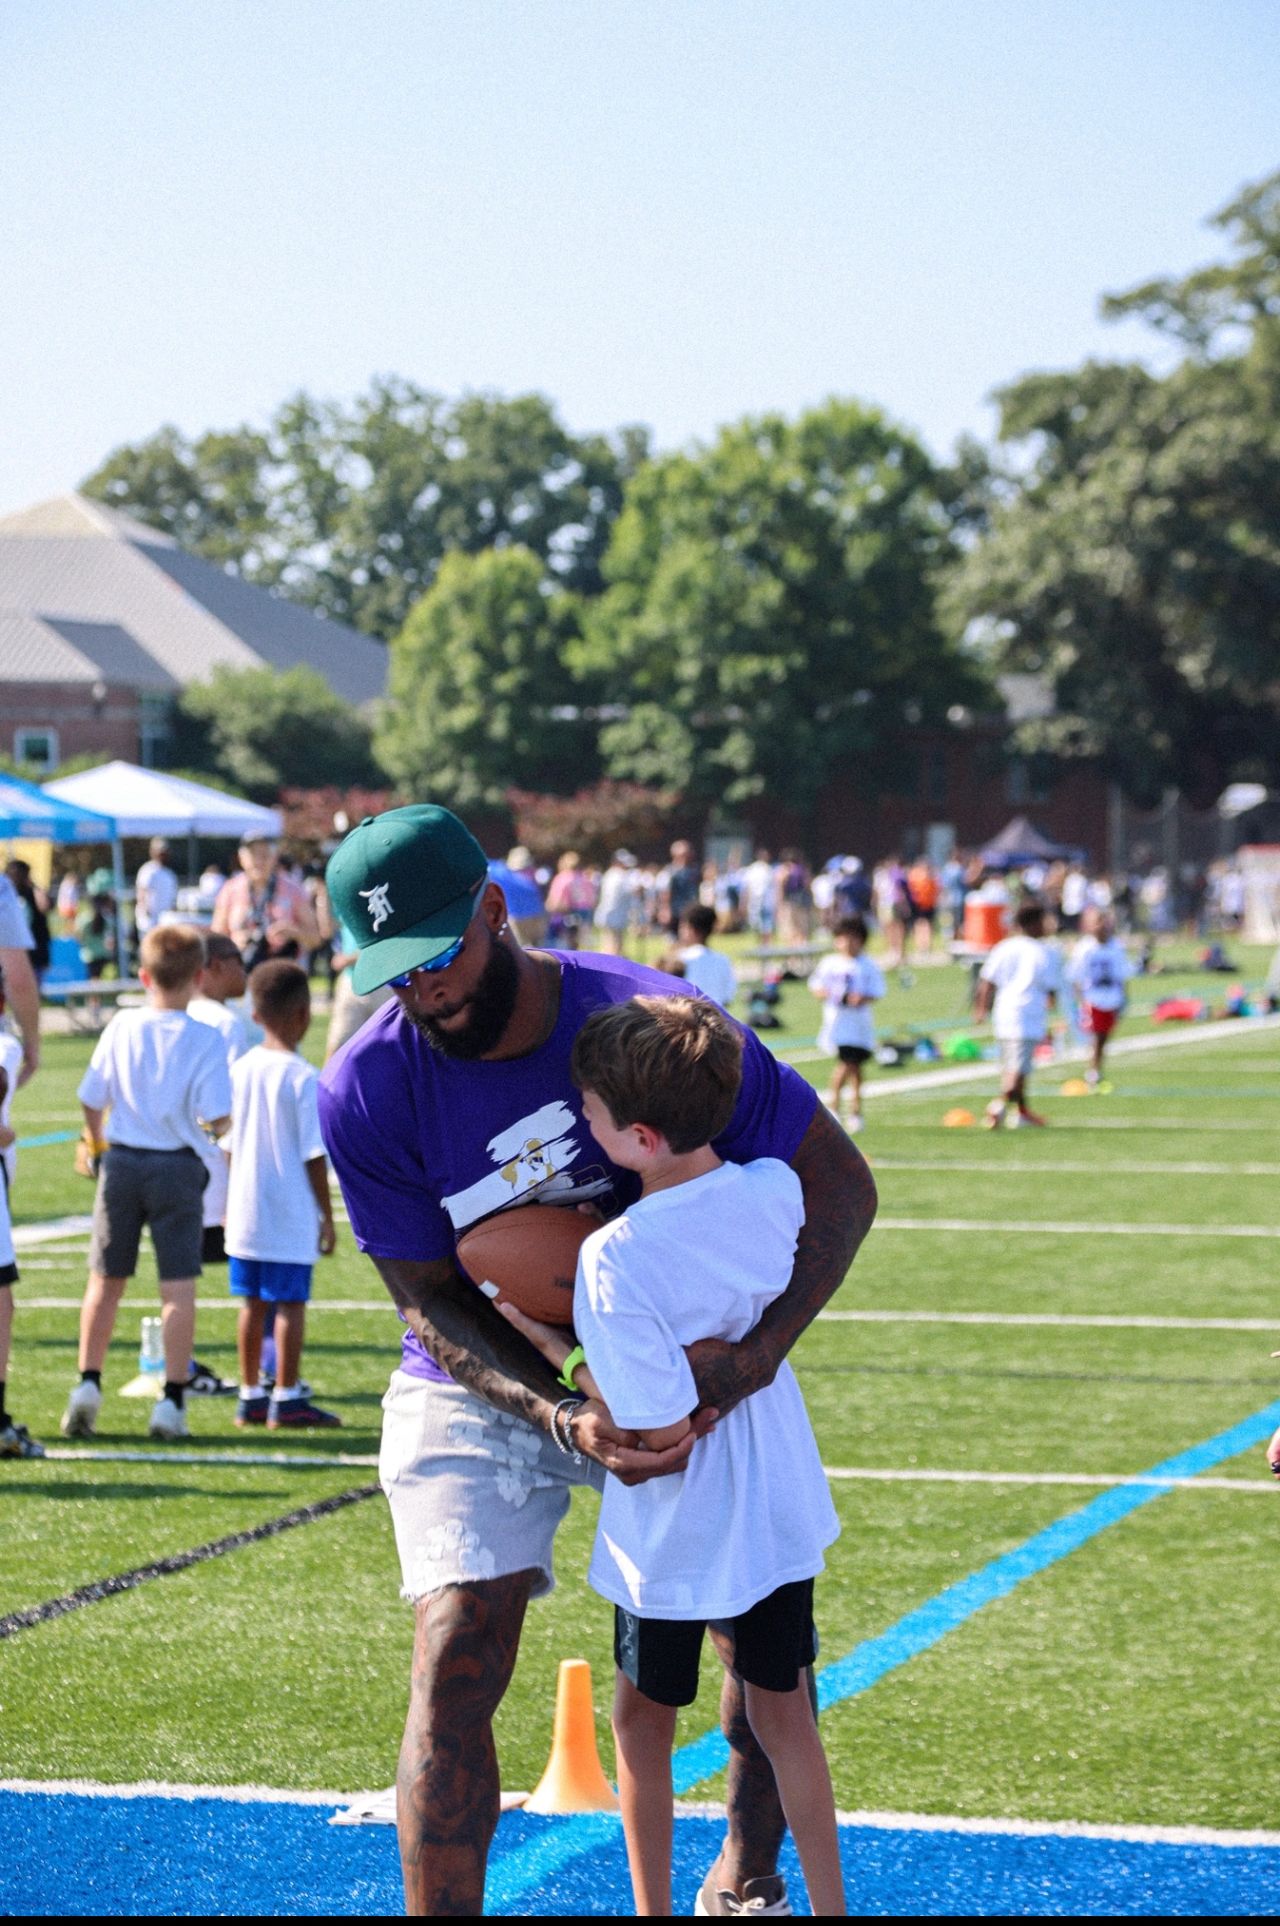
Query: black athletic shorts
[852, 1053]
[773, 1643]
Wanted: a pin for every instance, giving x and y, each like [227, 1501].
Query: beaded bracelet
[565, 1444]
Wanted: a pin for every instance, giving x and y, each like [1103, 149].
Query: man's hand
[597, 1437]
[1273, 1454]
[328, 1237]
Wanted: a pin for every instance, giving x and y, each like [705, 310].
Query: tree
[263, 730]
[1133, 557]
[351, 509]
[769, 615]
[480, 696]
[597, 820]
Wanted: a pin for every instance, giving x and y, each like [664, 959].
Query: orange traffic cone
[574, 1780]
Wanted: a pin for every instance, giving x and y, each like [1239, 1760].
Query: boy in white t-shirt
[706, 969]
[222, 979]
[849, 984]
[279, 1216]
[1021, 978]
[15, 1440]
[736, 1539]
[1099, 969]
[163, 1079]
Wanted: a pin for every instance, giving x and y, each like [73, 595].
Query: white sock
[252, 1391]
[282, 1393]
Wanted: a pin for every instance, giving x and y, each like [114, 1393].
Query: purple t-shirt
[425, 1145]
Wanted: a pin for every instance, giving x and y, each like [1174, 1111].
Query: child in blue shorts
[279, 1217]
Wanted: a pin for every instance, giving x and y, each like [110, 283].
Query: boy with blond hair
[736, 1539]
[155, 1091]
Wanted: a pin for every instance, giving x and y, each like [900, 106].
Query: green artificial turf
[1120, 1685]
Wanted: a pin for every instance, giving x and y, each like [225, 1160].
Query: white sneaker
[80, 1418]
[762, 1898]
[853, 1124]
[168, 1422]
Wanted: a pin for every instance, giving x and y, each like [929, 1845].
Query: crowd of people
[481, 1073]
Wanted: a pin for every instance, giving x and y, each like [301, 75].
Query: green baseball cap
[404, 884]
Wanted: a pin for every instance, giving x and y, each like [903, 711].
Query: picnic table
[83, 1000]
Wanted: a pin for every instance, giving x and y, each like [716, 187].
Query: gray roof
[77, 566]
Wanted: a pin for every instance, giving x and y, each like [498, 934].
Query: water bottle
[151, 1349]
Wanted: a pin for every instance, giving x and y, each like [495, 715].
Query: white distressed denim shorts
[473, 1492]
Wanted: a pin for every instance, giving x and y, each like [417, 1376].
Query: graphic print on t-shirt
[533, 1161]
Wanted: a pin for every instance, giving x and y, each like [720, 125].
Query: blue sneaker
[252, 1410]
[300, 1413]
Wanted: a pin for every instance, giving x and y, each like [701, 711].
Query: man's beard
[489, 1010]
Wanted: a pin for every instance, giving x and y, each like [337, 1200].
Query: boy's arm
[317, 1169]
[839, 1209]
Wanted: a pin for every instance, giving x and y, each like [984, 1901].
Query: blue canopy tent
[29, 815]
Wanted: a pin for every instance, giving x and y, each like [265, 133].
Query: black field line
[101, 1588]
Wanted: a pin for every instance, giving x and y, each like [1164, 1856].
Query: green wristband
[576, 1357]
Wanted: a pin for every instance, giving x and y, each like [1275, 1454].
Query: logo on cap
[379, 904]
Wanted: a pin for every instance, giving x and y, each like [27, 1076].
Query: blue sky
[675, 212]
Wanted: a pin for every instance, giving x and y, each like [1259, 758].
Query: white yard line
[1105, 1480]
[48, 1232]
[1054, 1319]
[1051, 1319]
[1066, 1167]
[912, 1475]
[692, 1809]
[1001, 1226]
[295, 1460]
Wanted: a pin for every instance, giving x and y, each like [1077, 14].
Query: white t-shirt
[711, 972]
[160, 1073]
[239, 1035]
[751, 1510]
[1024, 972]
[11, 1064]
[1100, 972]
[275, 1133]
[838, 976]
[157, 888]
[15, 931]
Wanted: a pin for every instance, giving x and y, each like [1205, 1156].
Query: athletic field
[1042, 1395]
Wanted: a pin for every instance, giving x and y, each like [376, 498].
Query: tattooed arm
[474, 1343]
[839, 1209]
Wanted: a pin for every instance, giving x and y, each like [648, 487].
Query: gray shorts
[473, 1493]
[1017, 1054]
[163, 1189]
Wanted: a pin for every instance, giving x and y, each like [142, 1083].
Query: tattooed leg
[447, 1787]
[756, 1822]
[754, 1810]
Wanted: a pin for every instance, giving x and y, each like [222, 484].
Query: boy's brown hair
[277, 990]
[672, 1062]
[172, 955]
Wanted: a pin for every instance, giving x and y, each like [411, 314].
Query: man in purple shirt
[454, 1102]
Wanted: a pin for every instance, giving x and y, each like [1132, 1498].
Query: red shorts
[1098, 1023]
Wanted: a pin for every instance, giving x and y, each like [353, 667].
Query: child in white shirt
[737, 1537]
[163, 1078]
[279, 1216]
[15, 1440]
[220, 981]
[706, 969]
[1099, 969]
[849, 984]
[1019, 982]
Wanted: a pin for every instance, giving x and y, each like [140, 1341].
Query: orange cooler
[984, 923]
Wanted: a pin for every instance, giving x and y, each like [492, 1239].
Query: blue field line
[869, 1662]
[49, 1137]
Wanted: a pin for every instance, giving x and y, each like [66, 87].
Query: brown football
[531, 1255]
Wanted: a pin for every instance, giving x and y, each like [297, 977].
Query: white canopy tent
[145, 802]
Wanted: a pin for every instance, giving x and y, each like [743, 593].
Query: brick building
[103, 623]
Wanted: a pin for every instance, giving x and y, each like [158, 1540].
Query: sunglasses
[441, 962]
